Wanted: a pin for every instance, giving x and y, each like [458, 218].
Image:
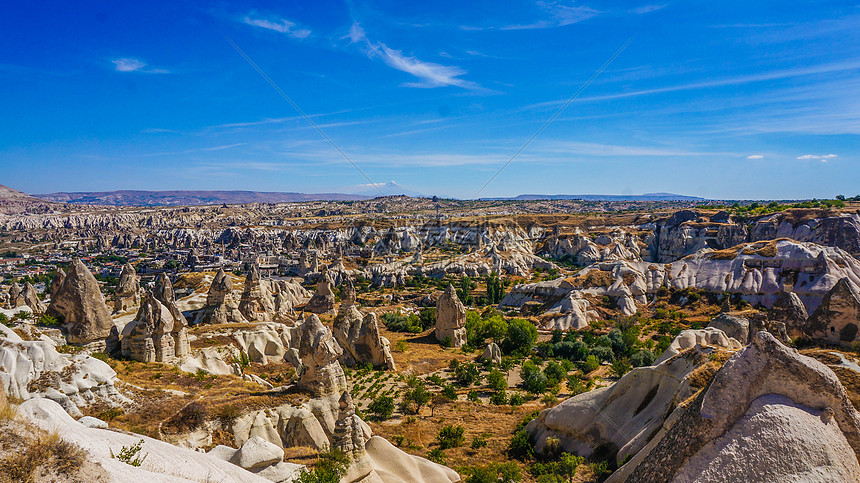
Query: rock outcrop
[34, 368]
[320, 372]
[323, 300]
[256, 304]
[836, 319]
[769, 414]
[163, 463]
[80, 305]
[360, 339]
[31, 299]
[450, 318]
[127, 290]
[689, 338]
[789, 310]
[735, 327]
[492, 353]
[624, 415]
[155, 335]
[220, 307]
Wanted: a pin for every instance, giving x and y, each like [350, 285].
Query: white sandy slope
[164, 462]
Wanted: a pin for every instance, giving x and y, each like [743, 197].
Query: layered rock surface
[127, 290]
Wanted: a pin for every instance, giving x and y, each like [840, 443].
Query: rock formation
[737, 328]
[163, 292]
[256, 304]
[625, 414]
[57, 282]
[31, 299]
[450, 318]
[15, 298]
[323, 300]
[319, 352]
[164, 462]
[155, 335]
[79, 304]
[492, 353]
[360, 339]
[34, 368]
[220, 307]
[789, 310]
[836, 319]
[127, 290]
[769, 414]
[693, 337]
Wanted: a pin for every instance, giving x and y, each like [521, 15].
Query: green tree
[382, 407]
[521, 337]
[464, 293]
[497, 380]
[591, 364]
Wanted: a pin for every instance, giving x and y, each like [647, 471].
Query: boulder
[360, 339]
[693, 337]
[492, 353]
[450, 318]
[257, 453]
[836, 319]
[789, 309]
[15, 298]
[735, 327]
[80, 305]
[769, 414]
[127, 290]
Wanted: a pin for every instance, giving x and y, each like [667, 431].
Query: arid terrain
[401, 339]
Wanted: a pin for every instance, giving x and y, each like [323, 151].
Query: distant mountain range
[194, 197]
[644, 197]
[187, 198]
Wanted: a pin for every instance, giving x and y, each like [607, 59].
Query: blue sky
[753, 100]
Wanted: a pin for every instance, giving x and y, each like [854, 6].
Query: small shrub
[516, 400]
[496, 380]
[621, 367]
[228, 413]
[401, 346]
[130, 455]
[499, 398]
[436, 455]
[591, 364]
[479, 442]
[451, 436]
[382, 407]
[473, 396]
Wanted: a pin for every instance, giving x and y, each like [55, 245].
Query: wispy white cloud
[823, 158]
[649, 8]
[130, 64]
[755, 156]
[197, 150]
[429, 74]
[556, 14]
[280, 25]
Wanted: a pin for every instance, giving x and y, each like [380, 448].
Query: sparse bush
[401, 346]
[382, 407]
[436, 455]
[188, 418]
[521, 446]
[449, 392]
[591, 364]
[642, 357]
[451, 436]
[467, 374]
[499, 398]
[330, 467]
[516, 399]
[473, 396]
[620, 367]
[479, 442]
[130, 455]
[228, 413]
[496, 380]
